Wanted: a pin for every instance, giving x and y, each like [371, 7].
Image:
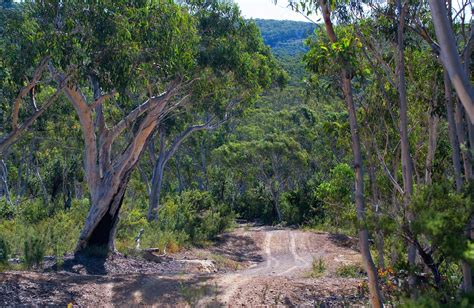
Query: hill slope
[286, 39]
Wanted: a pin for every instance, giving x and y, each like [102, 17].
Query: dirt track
[275, 266]
[282, 278]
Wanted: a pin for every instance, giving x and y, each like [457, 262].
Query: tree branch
[102, 99]
[25, 90]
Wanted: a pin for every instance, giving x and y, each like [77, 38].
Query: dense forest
[128, 126]
[286, 39]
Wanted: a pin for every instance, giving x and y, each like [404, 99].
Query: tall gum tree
[134, 64]
[130, 64]
[345, 71]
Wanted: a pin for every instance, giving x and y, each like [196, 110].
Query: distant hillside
[286, 39]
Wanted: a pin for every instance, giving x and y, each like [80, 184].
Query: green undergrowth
[192, 218]
[318, 268]
[350, 271]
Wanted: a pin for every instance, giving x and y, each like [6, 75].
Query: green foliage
[197, 214]
[350, 271]
[318, 268]
[325, 57]
[442, 215]
[286, 40]
[58, 233]
[190, 218]
[302, 206]
[4, 251]
[336, 194]
[33, 251]
[427, 301]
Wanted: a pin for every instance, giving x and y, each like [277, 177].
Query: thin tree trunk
[156, 185]
[163, 157]
[379, 239]
[178, 173]
[276, 202]
[453, 137]
[4, 179]
[375, 295]
[461, 132]
[42, 185]
[450, 57]
[407, 168]
[433, 121]
[204, 165]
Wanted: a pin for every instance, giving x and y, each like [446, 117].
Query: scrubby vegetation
[159, 123]
[191, 218]
[318, 268]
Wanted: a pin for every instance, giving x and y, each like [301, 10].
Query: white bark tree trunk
[450, 57]
[107, 175]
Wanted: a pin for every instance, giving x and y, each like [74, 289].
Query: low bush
[33, 251]
[4, 251]
[318, 268]
[350, 271]
[190, 218]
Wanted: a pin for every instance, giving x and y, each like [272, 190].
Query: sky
[265, 9]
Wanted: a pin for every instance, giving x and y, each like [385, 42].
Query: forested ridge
[155, 130]
[286, 39]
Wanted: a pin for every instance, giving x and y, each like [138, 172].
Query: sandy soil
[251, 266]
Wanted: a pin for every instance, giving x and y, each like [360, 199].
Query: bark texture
[108, 173]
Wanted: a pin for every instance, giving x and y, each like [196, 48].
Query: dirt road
[250, 266]
[284, 275]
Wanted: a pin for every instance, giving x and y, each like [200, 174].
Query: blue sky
[265, 9]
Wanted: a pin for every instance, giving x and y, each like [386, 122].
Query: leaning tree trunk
[107, 175]
[450, 57]
[375, 295]
[164, 156]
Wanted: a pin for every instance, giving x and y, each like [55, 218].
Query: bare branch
[12, 137]
[25, 90]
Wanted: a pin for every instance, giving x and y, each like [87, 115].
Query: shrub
[318, 268]
[300, 206]
[350, 271]
[34, 250]
[4, 251]
[197, 214]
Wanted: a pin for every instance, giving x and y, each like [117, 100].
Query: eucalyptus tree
[342, 52]
[407, 164]
[133, 64]
[273, 161]
[452, 31]
[227, 44]
[26, 92]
